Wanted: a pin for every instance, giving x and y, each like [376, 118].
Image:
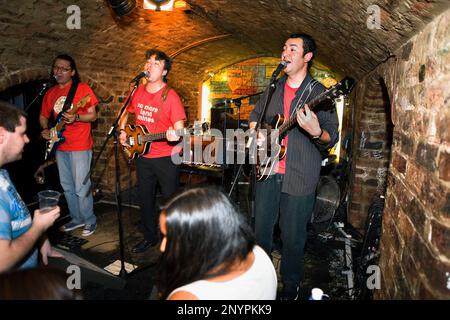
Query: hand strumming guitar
[123, 138]
[45, 133]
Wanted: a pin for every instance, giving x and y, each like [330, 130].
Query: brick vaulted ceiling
[109, 46]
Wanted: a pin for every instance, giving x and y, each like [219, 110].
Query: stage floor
[322, 265]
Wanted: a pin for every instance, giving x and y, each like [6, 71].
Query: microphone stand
[40, 93]
[249, 144]
[113, 133]
[237, 103]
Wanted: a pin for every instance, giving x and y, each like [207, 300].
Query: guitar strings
[310, 86]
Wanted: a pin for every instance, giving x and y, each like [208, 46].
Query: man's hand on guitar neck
[171, 135]
[68, 117]
[308, 121]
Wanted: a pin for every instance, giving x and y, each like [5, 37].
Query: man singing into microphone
[288, 195]
[158, 108]
[74, 155]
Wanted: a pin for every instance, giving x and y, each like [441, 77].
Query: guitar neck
[161, 135]
[72, 111]
[293, 119]
[61, 123]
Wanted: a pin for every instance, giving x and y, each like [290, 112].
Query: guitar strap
[163, 99]
[70, 96]
[301, 102]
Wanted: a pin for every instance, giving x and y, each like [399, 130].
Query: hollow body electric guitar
[275, 151]
[140, 140]
[56, 133]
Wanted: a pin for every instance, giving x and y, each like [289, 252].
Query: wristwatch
[77, 117]
[319, 136]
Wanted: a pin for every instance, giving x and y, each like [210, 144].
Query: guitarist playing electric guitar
[158, 109]
[73, 104]
[289, 193]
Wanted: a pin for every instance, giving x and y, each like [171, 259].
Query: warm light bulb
[149, 4]
[180, 4]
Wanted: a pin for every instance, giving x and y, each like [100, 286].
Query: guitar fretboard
[293, 119]
[162, 135]
[79, 104]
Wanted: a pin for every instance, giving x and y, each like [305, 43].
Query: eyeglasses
[63, 69]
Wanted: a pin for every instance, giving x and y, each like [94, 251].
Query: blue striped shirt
[15, 219]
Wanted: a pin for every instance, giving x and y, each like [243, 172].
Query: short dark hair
[73, 65]
[160, 56]
[206, 235]
[10, 116]
[36, 284]
[309, 45]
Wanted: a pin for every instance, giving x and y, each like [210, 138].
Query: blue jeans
[73, 166]
[293, 213]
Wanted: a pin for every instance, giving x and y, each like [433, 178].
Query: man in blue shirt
[20, 235]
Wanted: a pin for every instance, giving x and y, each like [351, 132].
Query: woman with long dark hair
[209, 251]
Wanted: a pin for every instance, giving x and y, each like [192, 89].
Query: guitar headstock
[82, 102]
[199, 128]
[344, 87]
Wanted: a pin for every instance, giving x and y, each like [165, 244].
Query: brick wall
[415, 242]
[372, 146]
[109, 52]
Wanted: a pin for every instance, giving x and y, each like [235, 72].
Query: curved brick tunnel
[401, 66]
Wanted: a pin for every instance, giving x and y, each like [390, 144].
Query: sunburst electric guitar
[275, 151]
[140, 140]
[56, 133]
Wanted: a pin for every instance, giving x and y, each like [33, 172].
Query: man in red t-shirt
[74, 154]
[159, 109]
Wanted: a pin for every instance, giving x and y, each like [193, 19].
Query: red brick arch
[13, 78]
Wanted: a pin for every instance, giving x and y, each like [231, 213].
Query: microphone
[277, 71]
[49, 82]
[140, 76]
[224, 103]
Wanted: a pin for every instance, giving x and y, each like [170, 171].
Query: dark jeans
[294, 213]
[149, 172]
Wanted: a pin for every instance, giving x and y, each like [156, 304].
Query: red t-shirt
[146, 107]
[77, 134]
[289, 95]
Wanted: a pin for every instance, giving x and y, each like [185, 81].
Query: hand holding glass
[48, 200]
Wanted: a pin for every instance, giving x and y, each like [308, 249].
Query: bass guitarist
[159, 109]
[74, 154]
[288, 195]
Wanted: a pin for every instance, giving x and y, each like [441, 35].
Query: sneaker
[71, 226]
[88, 229]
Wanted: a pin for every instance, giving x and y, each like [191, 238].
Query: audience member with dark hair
[19, 234]
[209, 251]
[36, 284]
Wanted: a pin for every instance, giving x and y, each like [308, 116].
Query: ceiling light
[180, 4]
[159, 5]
